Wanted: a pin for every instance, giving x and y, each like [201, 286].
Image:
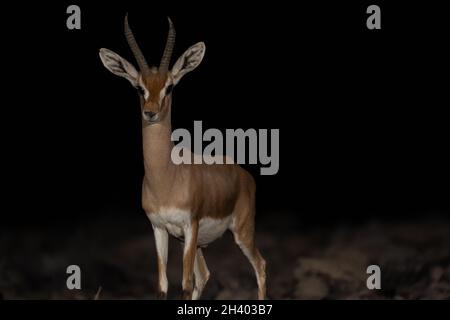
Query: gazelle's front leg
[190, 249]
[201, 274]
[162, 246]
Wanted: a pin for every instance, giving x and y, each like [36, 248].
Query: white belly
[210, 229]
[177, 222]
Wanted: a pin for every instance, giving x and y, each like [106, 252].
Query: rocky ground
[304, 262]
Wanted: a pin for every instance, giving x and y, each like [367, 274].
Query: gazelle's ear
[119, 66]
[190, 60]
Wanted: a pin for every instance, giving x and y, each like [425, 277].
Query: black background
[362, 113]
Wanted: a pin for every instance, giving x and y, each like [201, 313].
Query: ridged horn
[165, 60]
[142, 63]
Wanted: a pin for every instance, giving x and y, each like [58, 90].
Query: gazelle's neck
[157, 147]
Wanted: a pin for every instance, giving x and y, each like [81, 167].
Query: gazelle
[195, 203]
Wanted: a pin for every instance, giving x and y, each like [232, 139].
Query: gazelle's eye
[169, 89]
[140, 90]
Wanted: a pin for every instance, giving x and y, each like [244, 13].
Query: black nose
[149, 114]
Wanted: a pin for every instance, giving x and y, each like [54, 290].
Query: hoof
[186, 295]
[161, 295]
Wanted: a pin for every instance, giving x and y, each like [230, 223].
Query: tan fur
[195, 203]
[215, 191]
[201, 273]
[154, 82]
[161, 270]
[188, 261]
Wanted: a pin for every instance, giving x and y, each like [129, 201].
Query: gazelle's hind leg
[243, 228]
[259, 264]
[201, 274]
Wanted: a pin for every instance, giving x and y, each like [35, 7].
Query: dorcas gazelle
[195, 203]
